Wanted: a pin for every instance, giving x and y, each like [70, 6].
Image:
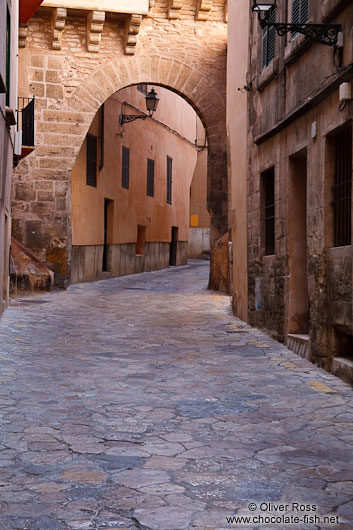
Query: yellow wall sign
[194, 220]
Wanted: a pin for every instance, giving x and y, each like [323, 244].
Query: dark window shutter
[91, 160]
[150, 177]
[269, 41]
[300, 13]
[125, 167]
[101, 134]
[169, 179]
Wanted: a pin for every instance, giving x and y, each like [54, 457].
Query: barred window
[268, 188]
[150, 177]
[169, 179]
[125, 167]
[91, 160]
[269, 41]
[342, 188]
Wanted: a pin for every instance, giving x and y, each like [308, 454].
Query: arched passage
[64, 126]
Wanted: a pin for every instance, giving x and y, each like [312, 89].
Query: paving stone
[141, 401]
[168, 518]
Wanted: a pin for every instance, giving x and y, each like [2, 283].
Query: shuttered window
[169, 179]
[150, 177]
[269, 41]
[91, 160]
[342, 189]
[300, 13]
[125, 167]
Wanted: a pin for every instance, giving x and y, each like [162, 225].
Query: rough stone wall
[301, 81]
[70, 85]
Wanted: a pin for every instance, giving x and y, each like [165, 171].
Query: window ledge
[296, 48]
[267, 75]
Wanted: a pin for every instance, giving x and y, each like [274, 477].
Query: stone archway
[71, 85]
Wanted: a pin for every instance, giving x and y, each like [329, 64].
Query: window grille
[91, 160]
[150, 177]
[125, 167]
[342, 189]
[169, 179]
[269, 41]
[269, 203]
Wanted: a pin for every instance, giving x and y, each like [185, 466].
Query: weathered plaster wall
[238, 41]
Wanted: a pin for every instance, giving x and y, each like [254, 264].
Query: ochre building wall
[151, 138]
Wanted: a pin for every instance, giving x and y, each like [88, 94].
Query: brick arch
[79, 108]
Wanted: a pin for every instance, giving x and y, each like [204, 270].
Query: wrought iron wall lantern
[152, 101]
[329, 34]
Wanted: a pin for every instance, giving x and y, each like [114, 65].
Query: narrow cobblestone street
[141, 402]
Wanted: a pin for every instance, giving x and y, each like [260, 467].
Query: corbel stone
[58, 22]
[226, 11]
[174, 7]
[95, 24]
[203, 9]
[22, 35]
[132, 28]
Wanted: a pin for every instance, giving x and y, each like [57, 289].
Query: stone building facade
[73, 60]
[299, 185]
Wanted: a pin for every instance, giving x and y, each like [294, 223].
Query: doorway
[299, 309]
[108, 234]
[173, 246]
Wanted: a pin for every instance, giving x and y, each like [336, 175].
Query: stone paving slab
[142, 403]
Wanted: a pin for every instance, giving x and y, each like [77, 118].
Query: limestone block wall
[70, 84]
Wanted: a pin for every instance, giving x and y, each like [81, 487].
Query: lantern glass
[263, 6]
[152, 101]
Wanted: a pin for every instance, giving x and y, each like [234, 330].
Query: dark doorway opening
[173, 246]
[108, 234]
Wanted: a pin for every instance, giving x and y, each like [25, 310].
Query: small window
[342, 189]
[269, 41]
[91, 160]
[150, 177]
[169, 179]
[268, 190]
[125, 167]
[142, 87]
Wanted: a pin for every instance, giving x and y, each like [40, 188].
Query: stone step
[27, 273]
[299, 344]
[343, 368]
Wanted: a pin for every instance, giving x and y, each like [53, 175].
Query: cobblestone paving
[142, 403]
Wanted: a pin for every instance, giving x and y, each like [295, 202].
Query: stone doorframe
[55, 155]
